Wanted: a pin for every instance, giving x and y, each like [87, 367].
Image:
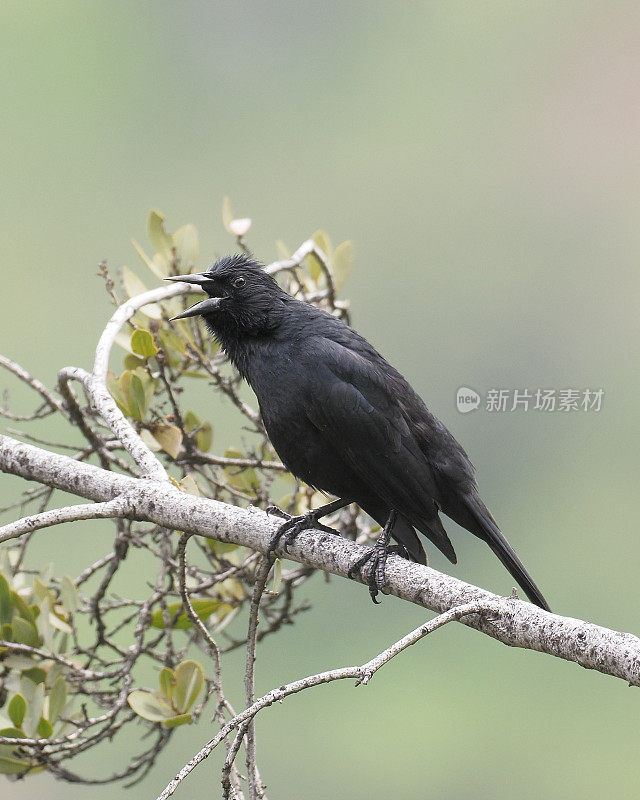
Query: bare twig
[50, 399]
[362, 675]
[229, 764]
[56, 516]
[255, 785]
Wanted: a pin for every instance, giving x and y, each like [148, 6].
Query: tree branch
[362, 675]
[106, 406]
[262, 572]
[516, 623]
[55, 516]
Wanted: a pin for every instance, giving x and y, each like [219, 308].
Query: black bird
[343, 420]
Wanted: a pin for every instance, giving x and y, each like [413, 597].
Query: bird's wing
[353, 400]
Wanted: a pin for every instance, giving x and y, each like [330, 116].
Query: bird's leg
[376, 577]
[294, 525]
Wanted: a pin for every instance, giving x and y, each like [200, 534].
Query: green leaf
[134, 286]
[150, 705]
[25, 632]
[189, 485]
[68, 595]
[221, 548]
[34, 696]
[204, 437]
[132, 362]
[131, 282]
[227, 213]
[142, 343]
[115, 390]
[189, 683]
[277, 577]
[41, 590]
[191, 420]
[17, 662]
[14, 733]
[174, 346]
[185, 241]
[57, 699]
[148, 439]
[45, 574]
[16, 709]
[44, 622]
[245, 479]
[321, 238]
[204, 431]
[123, 341]
[203, 608]
[148, 383]
[159, 238]
[169, 437]
[342, 262]
[167, 682]
[157, 269]
[35, 675]
[12, 766]
[174, 722]
[133, 394]
[6, 606]
[44, 729]
[138, 397]
[232, 589]
[21, 608]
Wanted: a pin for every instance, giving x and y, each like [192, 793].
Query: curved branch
[106, 406]
[55, 516]
[362, 675]
[123, 314]
[39, 387]
[516, 623]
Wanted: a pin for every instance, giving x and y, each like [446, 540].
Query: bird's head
[243, 298]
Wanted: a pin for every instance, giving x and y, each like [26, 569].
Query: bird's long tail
[486, 528]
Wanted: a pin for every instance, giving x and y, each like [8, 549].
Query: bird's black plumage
[342, 419]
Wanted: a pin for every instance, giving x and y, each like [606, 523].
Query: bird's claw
[277, 512]
[375, 574]
[292, 526]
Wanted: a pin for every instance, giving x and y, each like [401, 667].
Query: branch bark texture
[515, 623]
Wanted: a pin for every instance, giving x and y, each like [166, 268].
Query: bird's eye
[238, 283]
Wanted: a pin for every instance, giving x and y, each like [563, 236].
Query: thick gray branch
[517, 623]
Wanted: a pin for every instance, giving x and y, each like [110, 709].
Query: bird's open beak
[197, 278]
[205, 306]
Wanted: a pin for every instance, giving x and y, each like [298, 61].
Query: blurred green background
[484, 158]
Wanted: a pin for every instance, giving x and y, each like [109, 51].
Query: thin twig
[229, 764]
[256, 791]
[362, 674]
[56, 516]
[39, 387]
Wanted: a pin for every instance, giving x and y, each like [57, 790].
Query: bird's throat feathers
[239, 331]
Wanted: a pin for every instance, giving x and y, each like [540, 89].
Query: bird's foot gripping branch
[146, 462]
